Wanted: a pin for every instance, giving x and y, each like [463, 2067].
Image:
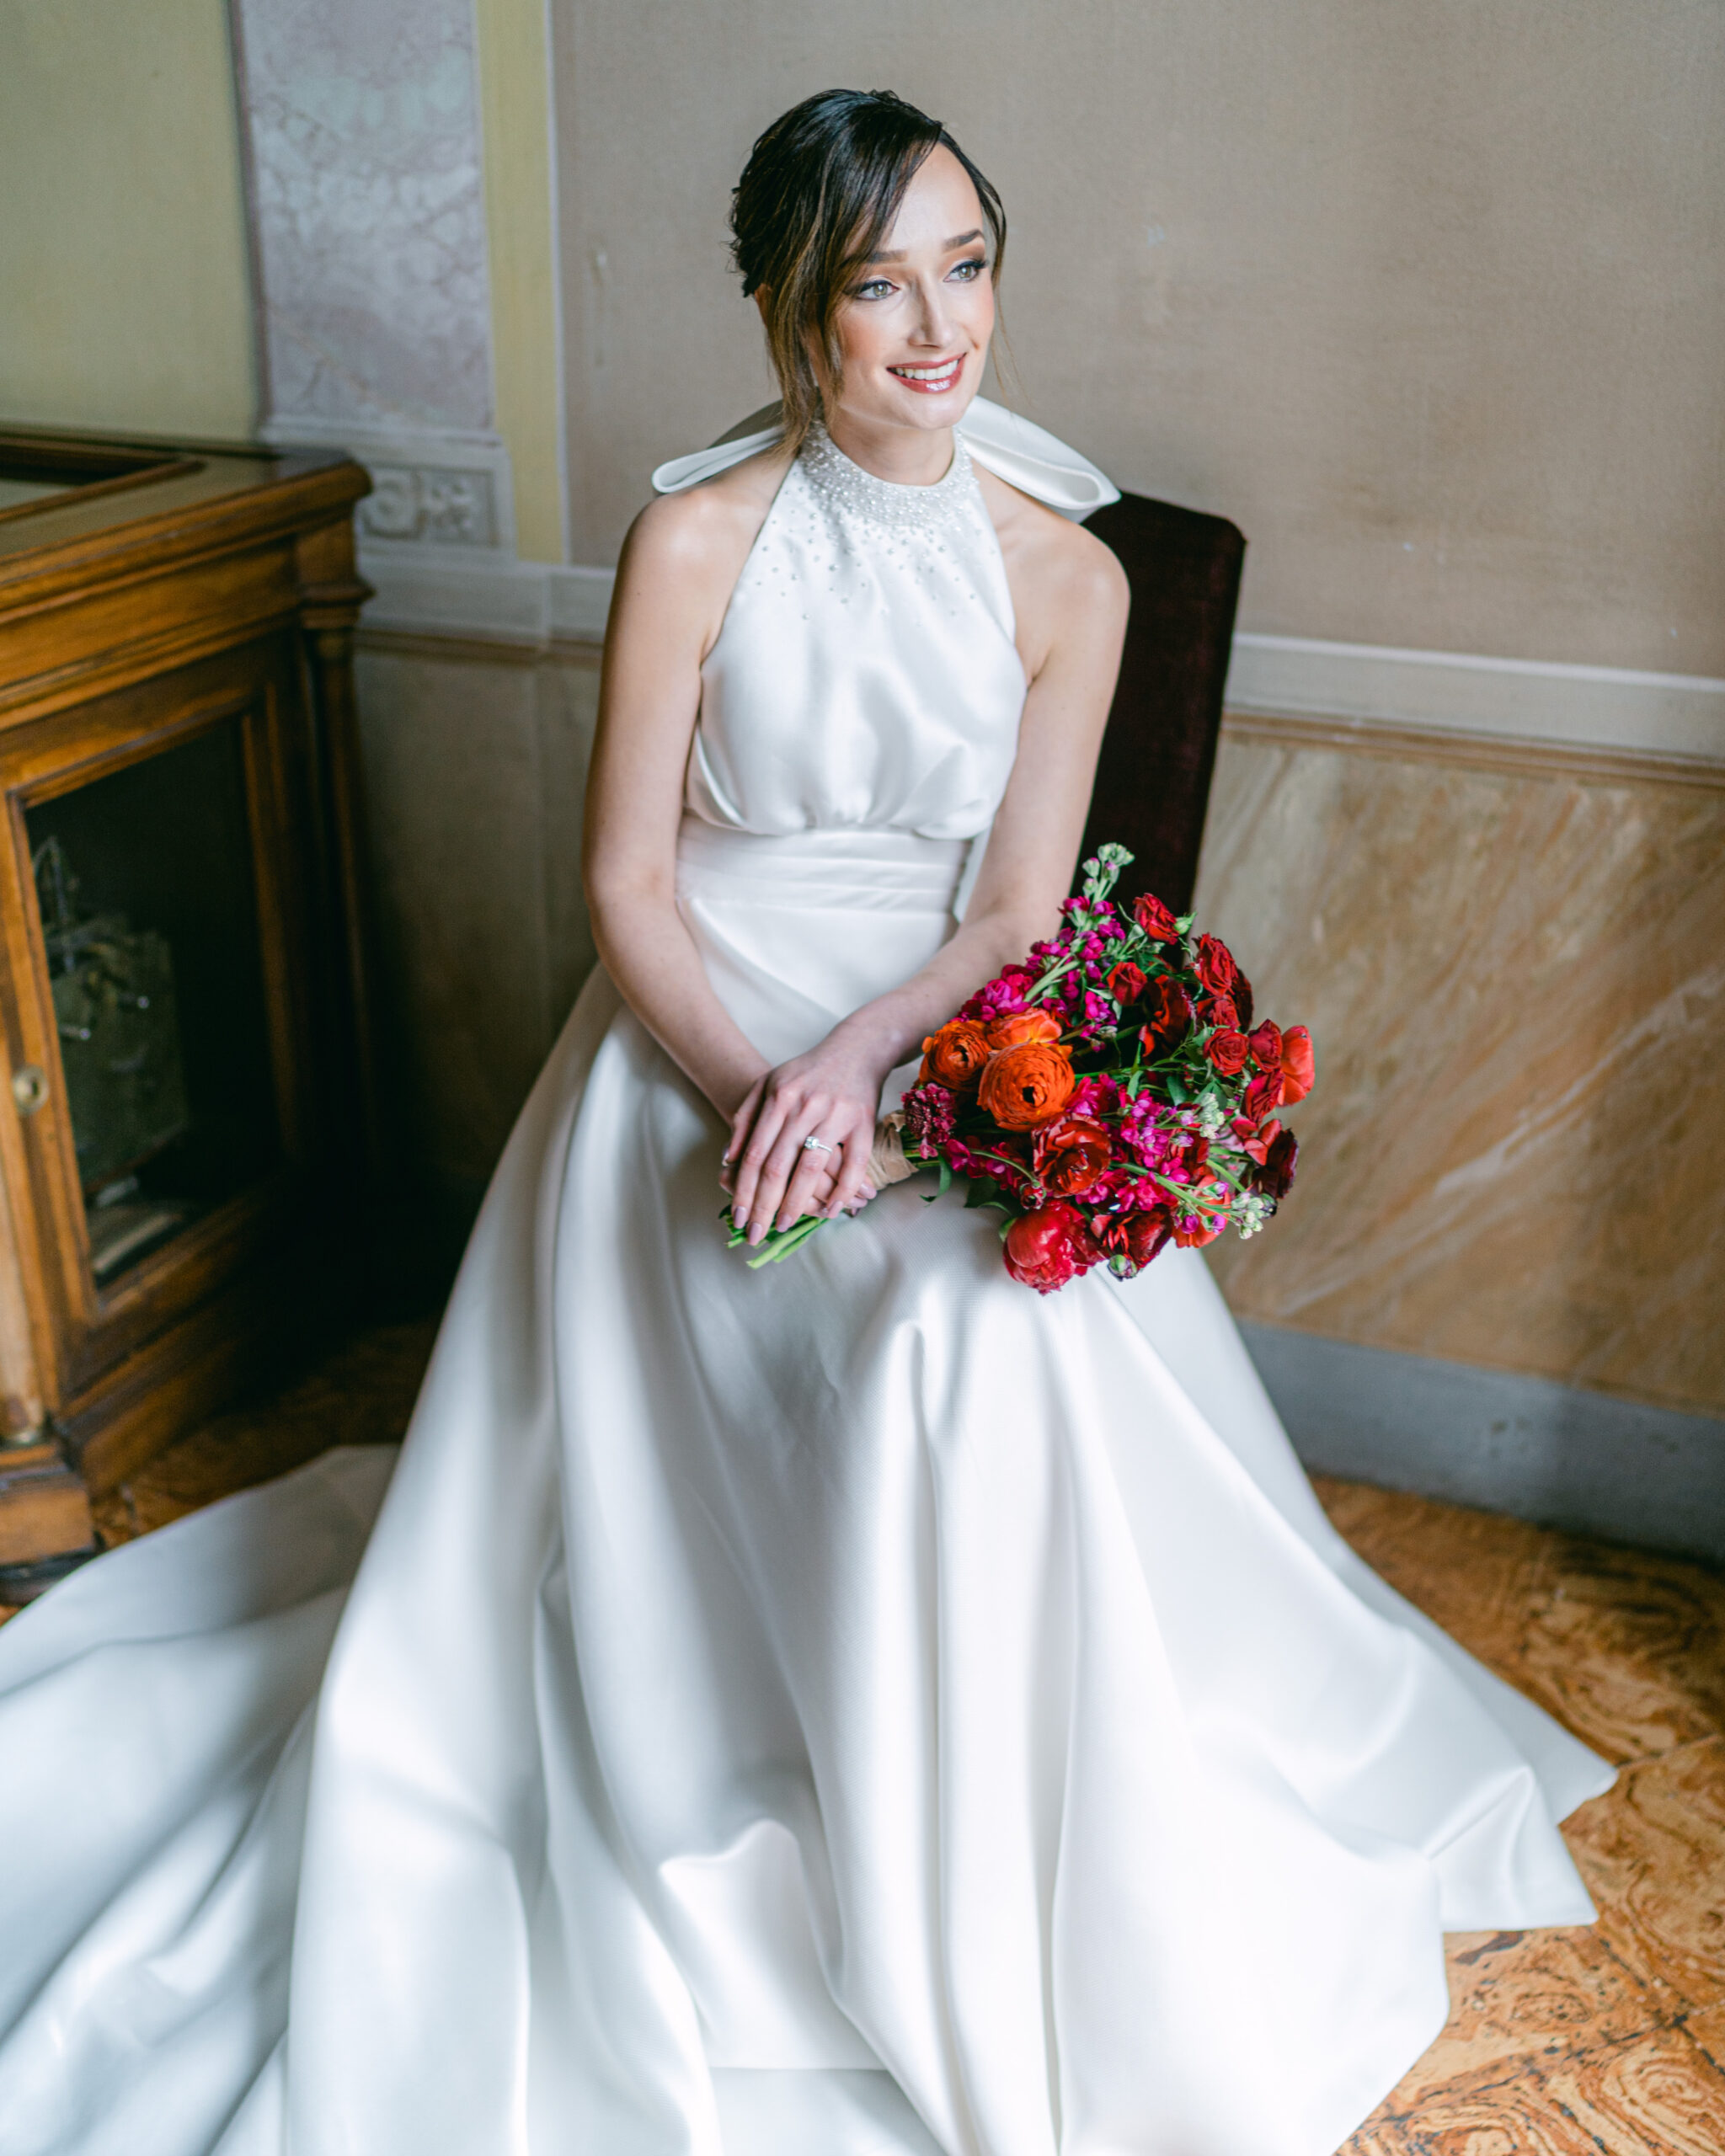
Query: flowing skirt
[855, 1706]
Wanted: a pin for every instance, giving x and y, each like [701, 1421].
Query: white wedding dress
[858, 1708]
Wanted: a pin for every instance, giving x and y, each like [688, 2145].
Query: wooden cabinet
[186, 1113]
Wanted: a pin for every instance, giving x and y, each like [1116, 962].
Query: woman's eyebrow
[952, 247]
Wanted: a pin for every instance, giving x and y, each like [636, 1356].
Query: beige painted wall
[1429, 298]
[125, 298]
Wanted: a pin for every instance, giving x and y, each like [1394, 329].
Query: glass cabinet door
[147, 893]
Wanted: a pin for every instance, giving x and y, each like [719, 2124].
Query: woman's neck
[908, 456]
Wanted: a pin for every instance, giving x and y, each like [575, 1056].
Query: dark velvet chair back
[1152, 780]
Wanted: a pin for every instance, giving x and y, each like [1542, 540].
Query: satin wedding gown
[858, 1708]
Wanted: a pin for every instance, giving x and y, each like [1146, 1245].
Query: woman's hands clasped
[831, 1094]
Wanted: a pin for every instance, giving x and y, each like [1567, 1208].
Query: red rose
[1170, 1017]
[1275, 1178]
[1047, 1248]
[1299, 1064]
[1228, 1051]
[1254, 1142]
[1267, 1046]
[1220, 1013]
[1125, 982]
[1071, 1154]
[1215, 965]
[1154, 918]
[1263, 1094]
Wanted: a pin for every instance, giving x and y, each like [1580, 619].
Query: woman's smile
[933, 378]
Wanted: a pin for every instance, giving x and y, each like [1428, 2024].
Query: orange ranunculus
[1022, 1087]
[954, 1056]
[1019, 1026]
[1070, 1154]
[1299, 1064]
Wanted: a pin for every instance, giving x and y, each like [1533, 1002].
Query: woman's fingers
[742, 1122]
[749, 1202]
[810, 1171]
[852, 1179]
[793, 1169]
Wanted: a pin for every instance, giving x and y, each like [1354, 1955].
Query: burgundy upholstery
[1152, 782]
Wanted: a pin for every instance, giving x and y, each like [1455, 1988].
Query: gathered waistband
[868, 871]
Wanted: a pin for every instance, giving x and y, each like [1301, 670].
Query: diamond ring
[815, 1145]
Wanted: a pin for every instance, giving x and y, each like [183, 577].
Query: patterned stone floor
[1560, 2043]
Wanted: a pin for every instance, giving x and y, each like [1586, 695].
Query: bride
[856, 1706]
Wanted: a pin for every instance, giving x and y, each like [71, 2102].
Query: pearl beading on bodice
[861, 498]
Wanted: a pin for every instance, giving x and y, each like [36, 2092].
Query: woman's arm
[1071, 600]
[680, 562]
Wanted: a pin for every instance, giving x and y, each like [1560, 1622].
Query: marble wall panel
[475, 771]
[362, 133]
[1516, 982]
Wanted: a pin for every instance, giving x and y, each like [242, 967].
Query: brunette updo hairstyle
[820, 189]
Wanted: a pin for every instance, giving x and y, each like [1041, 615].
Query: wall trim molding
[474, 592]
[1600, 708]
[1553, 1453]
[582, 652]
[1505, 713]
[1475, 752]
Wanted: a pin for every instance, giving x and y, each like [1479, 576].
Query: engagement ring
[815, 1145]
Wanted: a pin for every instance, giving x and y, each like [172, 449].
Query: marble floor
[1559, 2043]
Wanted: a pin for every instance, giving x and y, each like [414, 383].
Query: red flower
[1299, 1064]
[1275, 1178]
[1049, 1247]
[1241, 994]
[1170, 1017]
[929, 1116]
[1141, 1236]
[1215, 965]
[1072, 1154]
[1154, 918]
[1263, 1094]
[1219, 1011]
[1267, 1046]
[1125, 982]
[1254, 1142]
[1228, 1051]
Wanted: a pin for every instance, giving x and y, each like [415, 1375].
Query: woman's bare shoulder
[1048, 555]
[708, 528]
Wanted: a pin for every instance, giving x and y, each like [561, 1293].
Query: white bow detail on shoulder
[1017, 451]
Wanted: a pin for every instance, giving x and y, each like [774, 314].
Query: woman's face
[914, 325]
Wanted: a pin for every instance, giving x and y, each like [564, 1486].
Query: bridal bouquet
[1110, 1095]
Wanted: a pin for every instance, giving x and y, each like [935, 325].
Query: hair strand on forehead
[820, 192]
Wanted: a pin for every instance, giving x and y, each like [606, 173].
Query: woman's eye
[876, 288]
[968, 271]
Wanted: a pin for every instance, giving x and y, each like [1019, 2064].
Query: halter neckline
[888, 501]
